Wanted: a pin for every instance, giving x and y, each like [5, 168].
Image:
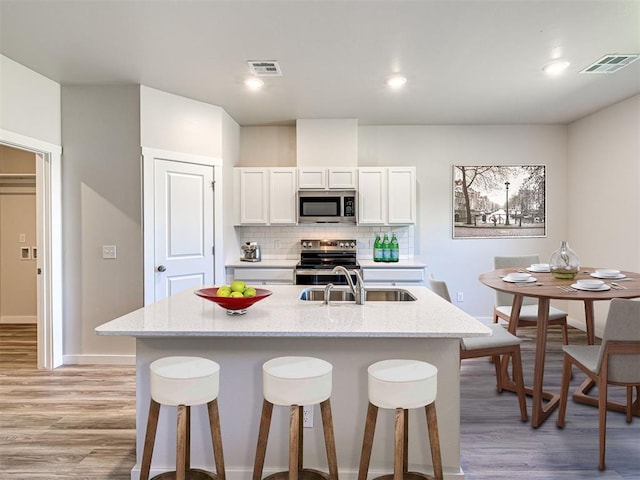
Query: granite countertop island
[349, 336]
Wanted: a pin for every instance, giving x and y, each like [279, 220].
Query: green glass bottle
[395, 249]
[377, 249]
[386, 249]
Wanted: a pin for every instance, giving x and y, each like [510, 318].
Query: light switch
[108, 251]
[22, 238]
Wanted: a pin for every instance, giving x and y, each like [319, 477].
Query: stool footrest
[407, 476]
[304, 474]
[191, 474]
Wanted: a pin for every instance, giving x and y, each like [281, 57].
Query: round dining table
[546, 288]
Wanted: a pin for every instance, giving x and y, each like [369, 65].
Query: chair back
[623, 324]
[521, 261]
[439, 287]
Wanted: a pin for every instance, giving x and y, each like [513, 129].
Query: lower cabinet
[263, 276]
[393, 276]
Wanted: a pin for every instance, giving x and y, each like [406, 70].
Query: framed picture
[499, 201]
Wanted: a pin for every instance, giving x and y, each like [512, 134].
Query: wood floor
[78, 422]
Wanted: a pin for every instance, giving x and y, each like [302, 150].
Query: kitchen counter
[349, 336]
[270, 263]
[402, 263]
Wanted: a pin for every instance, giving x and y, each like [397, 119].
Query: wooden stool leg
[329, 439]
[405, 457]
[367, 441]
[398, 448]
[263, 435]
[149, 439]
[181, 447]
[300, 436]
[434, 440]
[216, 437]
[518, 379]
[294, 427]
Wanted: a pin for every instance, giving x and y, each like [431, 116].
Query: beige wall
[17, 218]
[604, 186]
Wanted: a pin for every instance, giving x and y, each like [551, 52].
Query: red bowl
[234, 305]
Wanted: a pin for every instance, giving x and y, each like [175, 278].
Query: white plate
[602, 288]
[528, 280]
[546, 270]
[615, 277]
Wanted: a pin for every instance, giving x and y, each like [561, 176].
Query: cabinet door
[402, 195]
[342, 178]
[372, 195]
[254, 201]
[312, 178]
[282, 195]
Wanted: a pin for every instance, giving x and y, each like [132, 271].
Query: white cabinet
[334, 178]
[372, 195]
[254, 201]
[387, 195]
[282, 196]
[264, 276]
[393, 276]
[266, 196]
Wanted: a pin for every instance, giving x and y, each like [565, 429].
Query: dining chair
[500, 343]
[529, 311]
[616, 361]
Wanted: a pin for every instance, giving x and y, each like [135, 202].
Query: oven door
[320, 277]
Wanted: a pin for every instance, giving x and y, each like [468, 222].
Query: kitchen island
[349, 336]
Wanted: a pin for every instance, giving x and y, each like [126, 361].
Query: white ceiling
[467, 62]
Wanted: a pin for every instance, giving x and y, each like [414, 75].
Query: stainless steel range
[318, 258]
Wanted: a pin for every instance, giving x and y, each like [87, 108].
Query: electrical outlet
[307, 416]
[460, 296]
[108, 251]
[277, 244]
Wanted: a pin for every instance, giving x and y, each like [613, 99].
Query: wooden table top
[546, 286]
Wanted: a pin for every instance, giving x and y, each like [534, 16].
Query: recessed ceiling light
[254, 83]
[556, 67]
[396, 81]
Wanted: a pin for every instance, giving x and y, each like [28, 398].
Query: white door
[183, 226]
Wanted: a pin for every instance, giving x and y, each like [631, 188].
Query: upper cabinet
[332, 178]
[266, 196]
[386, 195]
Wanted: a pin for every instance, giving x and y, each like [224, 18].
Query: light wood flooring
[78, 422]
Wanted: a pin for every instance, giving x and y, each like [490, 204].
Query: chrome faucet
[358, 290]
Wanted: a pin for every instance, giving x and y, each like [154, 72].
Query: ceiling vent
[611, 63]
[265, 68]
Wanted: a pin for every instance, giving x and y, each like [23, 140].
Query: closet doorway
[41, 251]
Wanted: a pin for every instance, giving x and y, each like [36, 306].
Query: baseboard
[244, 474]
[99, 359]
[18, 319]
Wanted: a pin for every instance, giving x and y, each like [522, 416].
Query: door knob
[161, 268]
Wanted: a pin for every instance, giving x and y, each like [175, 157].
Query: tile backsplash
[283, 242]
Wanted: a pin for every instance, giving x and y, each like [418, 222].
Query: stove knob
[353, 245]
[304, 245]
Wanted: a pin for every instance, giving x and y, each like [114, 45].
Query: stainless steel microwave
[326, 206]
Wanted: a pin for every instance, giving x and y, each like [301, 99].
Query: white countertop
[283, 314]
[402, 263]
[271, 263]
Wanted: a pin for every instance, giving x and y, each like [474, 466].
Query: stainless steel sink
[340, 295]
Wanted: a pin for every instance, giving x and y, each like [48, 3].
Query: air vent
[611, 63]
[265, 68]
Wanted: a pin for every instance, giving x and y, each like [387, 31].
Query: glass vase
[564, 262]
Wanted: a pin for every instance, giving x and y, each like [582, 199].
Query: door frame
[49, 244]
[148, 157]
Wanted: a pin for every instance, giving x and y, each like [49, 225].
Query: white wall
[434, 150]
[29, 102]
[101, 206]
[604, 161]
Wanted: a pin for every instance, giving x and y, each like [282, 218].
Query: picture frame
[499, 201]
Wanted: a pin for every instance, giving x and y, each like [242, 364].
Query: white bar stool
[183, 382]
[294, 382]
[400, 385]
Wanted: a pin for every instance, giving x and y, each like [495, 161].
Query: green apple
[249, 292]
[223, 291]
[238, 286]
[236, 294]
